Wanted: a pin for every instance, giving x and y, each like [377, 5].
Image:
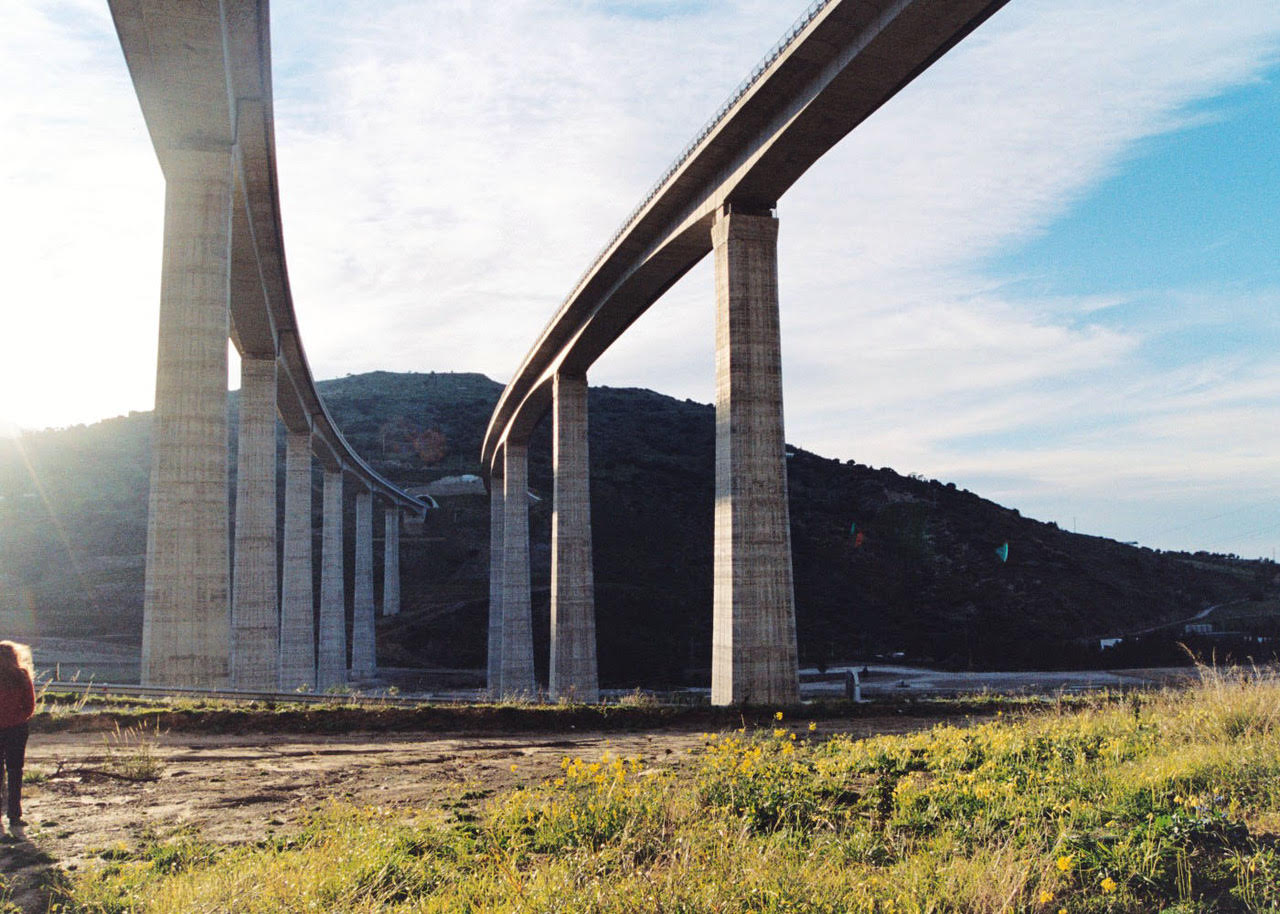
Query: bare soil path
[245, 787]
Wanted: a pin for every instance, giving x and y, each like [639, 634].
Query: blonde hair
[15, 663]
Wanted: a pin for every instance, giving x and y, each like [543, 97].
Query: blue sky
[1046, 271]
[1193, 207]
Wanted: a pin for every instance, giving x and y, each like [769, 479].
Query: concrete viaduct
[840, 62]
[217, 617]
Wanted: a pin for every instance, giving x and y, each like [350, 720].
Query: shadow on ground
[30, 875]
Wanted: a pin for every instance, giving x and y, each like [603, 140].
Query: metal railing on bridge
[810, 13]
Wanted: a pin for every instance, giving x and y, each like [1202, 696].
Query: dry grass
[1167, 804]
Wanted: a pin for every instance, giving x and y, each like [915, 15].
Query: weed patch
[1109, 807]
[131, 753]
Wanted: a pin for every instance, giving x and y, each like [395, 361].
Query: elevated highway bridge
[838, 64]
[216, 616]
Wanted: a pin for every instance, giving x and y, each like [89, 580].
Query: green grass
[1170, 803]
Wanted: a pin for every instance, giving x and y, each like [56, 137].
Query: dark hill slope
[925, 580]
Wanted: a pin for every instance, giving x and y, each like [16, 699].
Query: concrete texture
[186, 634]
[391, 562]
[497, 519]
[331, 657]
[363, 660]
[753, 653]
[255, 618]
[297, 597]
[517, 621]
[573, 673]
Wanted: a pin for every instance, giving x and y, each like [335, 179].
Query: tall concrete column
[297, 603]
[517, 617]
[255, 619]
[754, 635]
[573, 608]
[497, 519]
[363, 652]
[186, 632]
[331, 658]
[391, 563]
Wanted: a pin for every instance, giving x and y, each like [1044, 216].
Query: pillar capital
[182, 164]
[761, 227]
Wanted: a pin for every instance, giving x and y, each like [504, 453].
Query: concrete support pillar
[754, 635]
[255, 616]
[497, 559]
[363, 652]
[186, 631]
[517, 617]
[297, 604]
[573, 609]
[331, 659]
[391, 563]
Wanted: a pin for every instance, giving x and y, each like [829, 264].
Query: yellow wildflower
[1064, 863]
[513, 766]
[779, 733]
[1108, 885]
[1045, 896]
[777, 715]
[812, 726]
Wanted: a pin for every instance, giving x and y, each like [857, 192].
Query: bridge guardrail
[814, 8]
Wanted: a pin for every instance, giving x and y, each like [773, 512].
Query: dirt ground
[242, 788]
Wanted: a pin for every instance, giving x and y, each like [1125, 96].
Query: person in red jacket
[17, 704]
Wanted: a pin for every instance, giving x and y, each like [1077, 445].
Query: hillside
[923, 580]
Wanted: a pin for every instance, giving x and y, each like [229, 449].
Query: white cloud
[449, 168]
